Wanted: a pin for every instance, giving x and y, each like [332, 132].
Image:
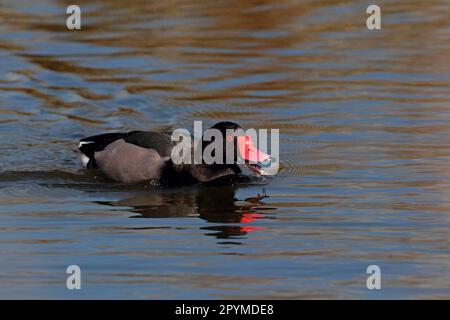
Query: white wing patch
[84, 142]
[84, 160]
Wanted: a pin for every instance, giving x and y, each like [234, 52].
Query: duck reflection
[215, 204]
[220, 205]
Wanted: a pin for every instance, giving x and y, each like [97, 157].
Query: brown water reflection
[365, 141]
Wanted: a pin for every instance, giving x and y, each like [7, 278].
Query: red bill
[254, 159]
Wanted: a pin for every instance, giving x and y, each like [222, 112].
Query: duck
[140, 156]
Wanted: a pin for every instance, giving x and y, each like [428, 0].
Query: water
[365, 149]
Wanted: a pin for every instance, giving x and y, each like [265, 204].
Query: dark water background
[365, 148]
